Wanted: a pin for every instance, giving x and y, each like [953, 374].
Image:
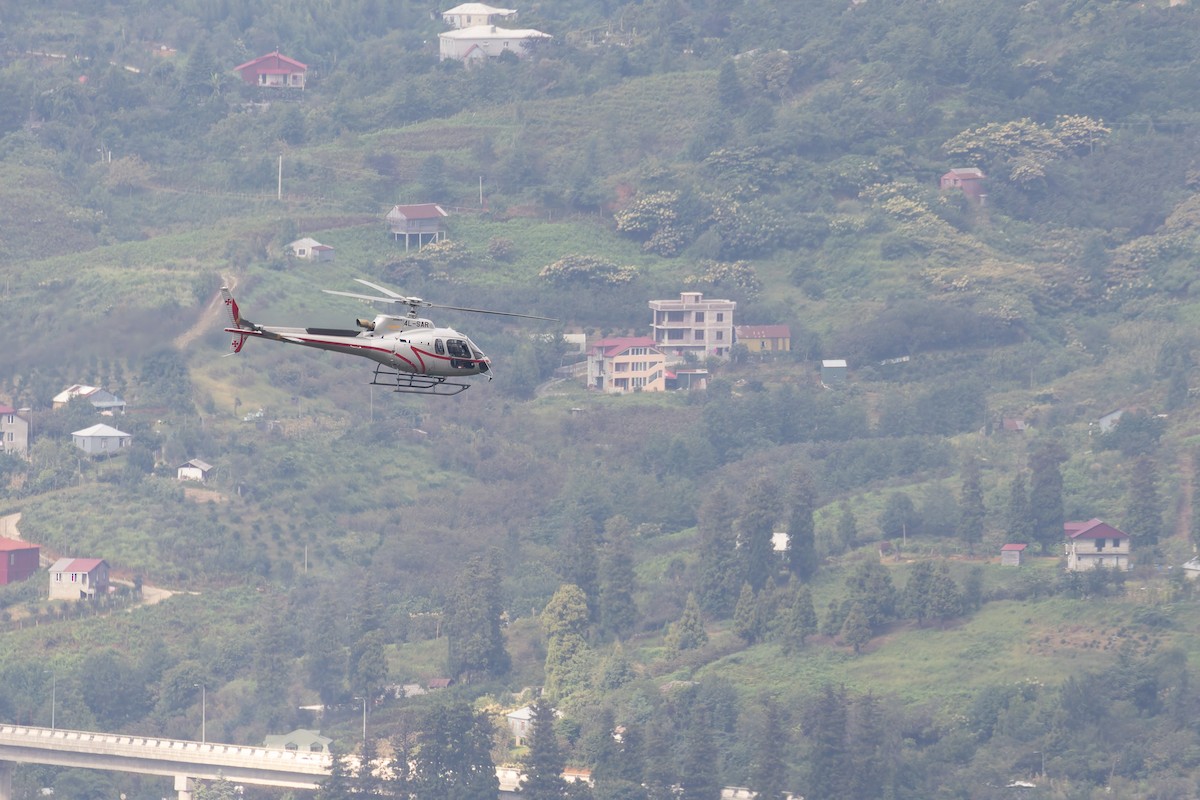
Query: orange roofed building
[1095, 544]
[274, 71]
[626, 364]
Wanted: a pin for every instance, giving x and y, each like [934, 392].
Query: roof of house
[7, 409]
[197, 463]
[763, 331]
[16, 544]
[439, 683]
[522, 713]
[618, 345]
[1012, 424]
[73, 391]
[276, 55]
[100, 429]
[478, 8]
[77, 564]
[1092, 529]
[966, 173]
[834, 362]
[302, 738]
[418, 211]
[493, 32]
[306, 241]
[1017, 547]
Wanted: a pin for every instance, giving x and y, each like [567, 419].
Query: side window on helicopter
[458, 348]
[437, 346]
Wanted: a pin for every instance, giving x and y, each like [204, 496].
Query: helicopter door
[460, 354]
[438, 347]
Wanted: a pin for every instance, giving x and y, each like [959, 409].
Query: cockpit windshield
[457, 348]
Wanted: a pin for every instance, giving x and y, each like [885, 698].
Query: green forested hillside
[616, 551]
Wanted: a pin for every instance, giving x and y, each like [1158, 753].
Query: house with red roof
[1012, 553]
[18, 560]
[969, 180]
[421, 220]
[1095, 544]
[273, 71]
[764, 338]
[78, 578]
[626, 364]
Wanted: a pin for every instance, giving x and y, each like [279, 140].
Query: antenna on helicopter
[414, 303]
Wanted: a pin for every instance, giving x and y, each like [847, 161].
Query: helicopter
[412, 354]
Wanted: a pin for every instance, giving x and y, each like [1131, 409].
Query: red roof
[276, 69]
[81, 565]
[1092, 529]
[763, 332]
[1017, 547]
[16, 544]
[420, 211]
[618, 345]
[7, 410]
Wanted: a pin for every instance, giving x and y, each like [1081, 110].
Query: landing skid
[408, 383]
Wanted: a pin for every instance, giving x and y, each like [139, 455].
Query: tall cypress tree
[720, 575]
[1143, 510]
[453, 757]
[698, 775]
[544, 764]
[688, 633]
[768, 770]
[802, 543]
[970, 505]
[1019, 519]
[755, 528]
[825, 726]
[618, 609]
[475, 642]
[1045, 495]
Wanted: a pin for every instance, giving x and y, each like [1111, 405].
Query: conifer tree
[698, 775]
[1019, 518]
[721, 574]
[768, 770]
[856, 630]
[847, 528]
[800, 620]
[755, 528]
[618, 610]
[568, 663]
[453, 756]
[475, 641]
[1143, 510]
[825, 726]
[1045, 495]
[802, 543]
[544, 764]
[746, 620]
[970, 505]
[688, 632]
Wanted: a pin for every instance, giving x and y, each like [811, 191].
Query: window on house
[720, 336]
[720, 317]
[674, 316]
[699, 316]
[1099, 544]
[699, 336]
[674, 335]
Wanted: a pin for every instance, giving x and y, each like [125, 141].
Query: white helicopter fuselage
[406, 344]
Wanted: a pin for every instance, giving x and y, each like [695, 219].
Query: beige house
[468, 15]
[520, 723]
[14, 430]
[693, 325]
[626, 364]
[764, 338]
[78, 578]
[194, 470]
[1095, 544]
[310, 249]
[420, 220]
[487, 41]
[101, 400]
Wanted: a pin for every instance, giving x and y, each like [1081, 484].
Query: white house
[194, 470]
[310, 249]
[1095, 544]
[468, 15]
[101, 439]
[78, 578]
[101, 400]
[487, 41]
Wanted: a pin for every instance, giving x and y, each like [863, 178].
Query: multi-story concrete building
[14, 430]
[693, 325]
[627, 364]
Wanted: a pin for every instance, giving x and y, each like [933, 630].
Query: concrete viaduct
[185, 761]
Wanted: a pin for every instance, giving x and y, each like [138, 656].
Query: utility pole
[279, 180]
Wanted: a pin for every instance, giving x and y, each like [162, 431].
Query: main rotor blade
[383, 289]
[498, 313]
[357, 296]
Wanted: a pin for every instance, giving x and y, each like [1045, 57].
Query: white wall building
[468, 15]
[487, 41]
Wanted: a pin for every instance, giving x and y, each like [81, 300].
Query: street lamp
[203, 711]
[53, 692]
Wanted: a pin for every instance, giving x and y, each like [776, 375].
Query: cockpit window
[458, 348]
[437, 345]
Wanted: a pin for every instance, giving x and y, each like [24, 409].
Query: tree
[756, 527]
[856, 630]
[799, 620]
[1143, 512]
[1019, 518]
[475, 642]
[847, 527]
[802, 543]
[688, 633]
[746, 620]
[698, 775]
[720, 578]
[899, 518]
[1045, 495]
[618, 609]
[568, 663]
[916, 595]
[369, 666]
[544, 764]
[453, 758]
[768, 770]
[825, 726]
[970, 504]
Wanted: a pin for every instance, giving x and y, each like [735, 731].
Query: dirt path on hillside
[208, 320]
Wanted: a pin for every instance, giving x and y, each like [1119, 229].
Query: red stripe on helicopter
[448, 358]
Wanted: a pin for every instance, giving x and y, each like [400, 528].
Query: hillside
[354, 538]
